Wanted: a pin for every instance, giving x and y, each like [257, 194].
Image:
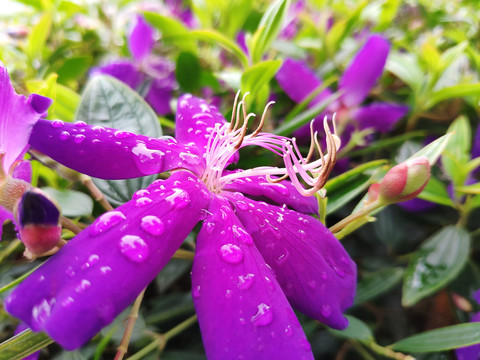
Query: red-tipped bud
[372, 194]
[404, 181]
[38, 220]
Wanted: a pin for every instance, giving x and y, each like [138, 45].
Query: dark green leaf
[188, 71]
[436, 191]
[356, 330]
[108, 102]
[23, 344]
[377, 283]
[439, 260]
[450, 337]
[73, 203]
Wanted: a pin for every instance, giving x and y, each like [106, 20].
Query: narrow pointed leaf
[356, 330]
[377, 283]
[23, 344]
[255, 77]
[433, 150]
[450, 337]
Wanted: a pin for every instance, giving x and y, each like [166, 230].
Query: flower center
[225, 140]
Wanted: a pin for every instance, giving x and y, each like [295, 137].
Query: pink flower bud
[404, 181]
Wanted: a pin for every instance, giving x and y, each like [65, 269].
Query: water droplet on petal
[339, 271]
[64, 135]
[80, 124]
[228, 293]
[196, 292]
[98, 128]
[143, 201]
[209, 227]
[148, 161]
[134, 248]
[189, 159]
[106, 221]
[288, 331]
[84, 285]
[326, 310]
[231, 253]
[78, 139]
[245, 281]
[57, 124]
[121, 134]
[140, 193]
[152, 225]
[67, 302]
[301, 234]
[41, 312]
[70, 272]
[242, 205]
[241, 235]
[92, 260]
[269, 283]
[312, 284]
[105, 269]
[242, 321]
[264, 315]
[179, 199]
[282, 255]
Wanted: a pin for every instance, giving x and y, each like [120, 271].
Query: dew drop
[326, 310]
[80, 124]
[288, 331]
[64, 135]
[242, 321]
[105, 269]
[84, 285]
[242, 205]
[245, 281]
[264, 315]
[206, 194]
[92, 260]
[302, 235]
[134, 248]
[179, 199]
[41, 312]
[70, 272]
[78, 139]
[228, 293]
[140, 193]
[339, 271]
[57, 124]
[152, 225]
[121, 134]
[196, 292]
[190, 159]
[148, 161]
[98, 128]
[231, 253]
[312, 284]
[269, 283]
[143, 201]
[106, 221]
[67, 302]
[241, 235]
[209, 227]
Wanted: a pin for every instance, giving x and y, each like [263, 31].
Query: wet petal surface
[241, 309]
[109, 153]
[100, 272]
[315, 272]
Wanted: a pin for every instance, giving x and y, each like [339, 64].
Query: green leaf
[438, 261]
[405, 66]
[469, 189]
[457, 154]
[187, 71]
[66, 103]
[172, 31]
[447, 338]
[258, 75]
[23, 344]
[377, 283]
[341, 180]
[73, 203]
[37, 38]
[220, 39]
[74, 68]
[436, 191]
[456, 91]
[108, 102]
[356, 330]
[433, 150]
[388, 12]
[268, 29]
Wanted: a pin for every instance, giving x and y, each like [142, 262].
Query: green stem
[9, 249]
[355, 216]
[361, 350]
[387, 352]
[161, 340]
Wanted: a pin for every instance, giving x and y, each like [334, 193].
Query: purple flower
[471, 352]
[144, 71]
[258, 253]
[298, 81]
[18, 114]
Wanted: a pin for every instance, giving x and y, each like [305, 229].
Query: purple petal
[242, 311]
[141, 39]
[124, 70]
[281, 193]
[476, 143]
[108, 153]
[40, 104]
[417, 205]
[195, 121]
[298, 81]
[100, 272]
[380, 116]
[364, 71]
[312, 267]
[23, 171]
[469, 352]
[160, 92]
[17, 116]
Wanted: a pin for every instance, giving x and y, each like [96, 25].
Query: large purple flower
[18, 201]
[299, 81]
[259, 251]
[151, 75]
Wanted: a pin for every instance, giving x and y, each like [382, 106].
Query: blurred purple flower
[152, 76]
[18, 115]
[253, 259]
[298, 81]
[470, 352]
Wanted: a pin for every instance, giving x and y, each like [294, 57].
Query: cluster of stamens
[226, 140]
